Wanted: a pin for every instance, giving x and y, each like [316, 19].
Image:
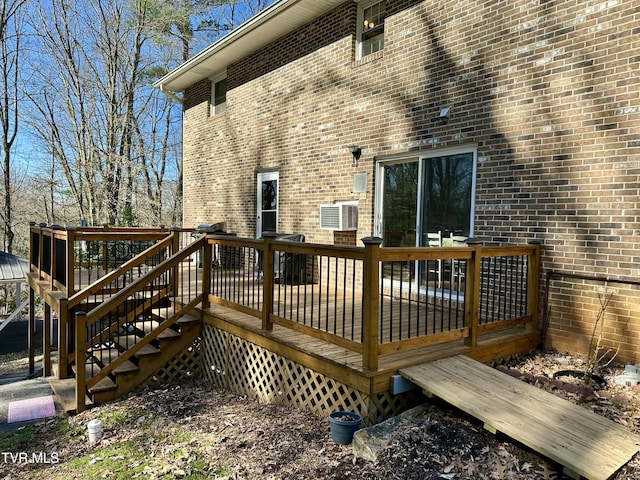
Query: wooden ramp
[584, 443]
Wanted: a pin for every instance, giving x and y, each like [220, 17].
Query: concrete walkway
[17, 386]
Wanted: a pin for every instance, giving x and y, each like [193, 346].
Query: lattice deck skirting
[183, 367]
[247, 369]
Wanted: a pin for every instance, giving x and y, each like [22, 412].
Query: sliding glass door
[399, 204]
[446, 200]
[424, 201]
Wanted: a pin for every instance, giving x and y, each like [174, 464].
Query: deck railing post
[370, 303]
[71, 260]
[33, 248]
[175, 247]
[54, 258]
[533, 287]
[472, 292]
[207, 260]
[81, 374]
[105, 249]
[41, 265]
[267, 283]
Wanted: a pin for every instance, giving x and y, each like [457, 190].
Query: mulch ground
[199, 431]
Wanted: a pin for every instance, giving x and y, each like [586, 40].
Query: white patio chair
[434, 239]
[458, 267]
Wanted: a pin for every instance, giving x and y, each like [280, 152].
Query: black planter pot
[343, 426]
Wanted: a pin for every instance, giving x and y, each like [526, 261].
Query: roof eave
[246, 39]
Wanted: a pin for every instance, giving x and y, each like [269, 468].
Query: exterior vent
[339, 217]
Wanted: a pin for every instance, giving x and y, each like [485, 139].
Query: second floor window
[371, 27]
[219, 100]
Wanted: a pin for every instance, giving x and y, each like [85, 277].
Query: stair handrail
[134, 287]
[77, 298]
[144, 341]
[139, 309]
[138, 260]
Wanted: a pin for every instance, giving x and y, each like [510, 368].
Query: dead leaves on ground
[194, 430]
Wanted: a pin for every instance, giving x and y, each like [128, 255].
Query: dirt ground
[198, 431]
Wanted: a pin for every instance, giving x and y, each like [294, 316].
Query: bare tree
[112, 143]
[87, 100]
[10, 51]
[181, 21]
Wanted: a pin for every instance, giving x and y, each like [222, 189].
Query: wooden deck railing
[77, 269]
[132, 307]
[371, 300]
[376, 301]
[72, 258]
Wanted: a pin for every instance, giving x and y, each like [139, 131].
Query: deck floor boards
[583, 442]
[388, 364]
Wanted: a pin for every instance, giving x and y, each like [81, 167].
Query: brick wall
[575, 326]
[548, 93]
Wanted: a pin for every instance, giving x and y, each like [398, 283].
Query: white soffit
[274, 22]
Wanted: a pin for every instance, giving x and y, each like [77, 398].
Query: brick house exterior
[544, 96]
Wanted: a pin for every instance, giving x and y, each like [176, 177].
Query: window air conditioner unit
[339, 217]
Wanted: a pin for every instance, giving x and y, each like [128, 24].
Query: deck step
[166, 313]
[148, 326]
[106, 356]
[583, 442]
[185, 319]
[65, 394]
[128, 341]
[91, 370]
[148, 294]
[106, 294]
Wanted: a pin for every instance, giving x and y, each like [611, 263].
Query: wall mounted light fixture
[445, 112]
[356, 151]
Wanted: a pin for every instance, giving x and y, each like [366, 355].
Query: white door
[267, 208]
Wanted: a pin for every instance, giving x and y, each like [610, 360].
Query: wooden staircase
[124, 301]
[149, 359]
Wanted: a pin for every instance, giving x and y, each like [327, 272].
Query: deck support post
[533, 287]
[472, 292]
[370, 303]
[46, 341]
[31, 331]
[81, 373]
[63, 339]
[267, 283]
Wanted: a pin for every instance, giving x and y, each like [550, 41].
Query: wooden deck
[346, 365]
[309, 324]
[585, 443]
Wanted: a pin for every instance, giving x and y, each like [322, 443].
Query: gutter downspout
[171, 95]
